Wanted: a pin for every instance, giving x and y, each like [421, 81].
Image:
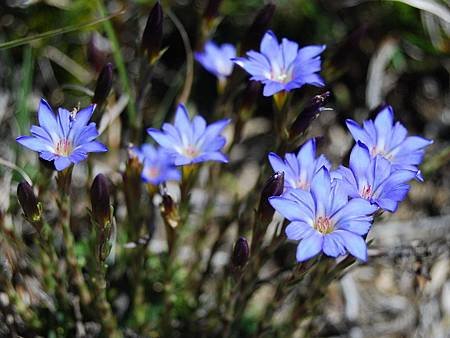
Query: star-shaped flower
[191, 141]
[66, 138]
[299, 169]
[283, 67]
[383, 137]
[217, 59]
[157, 165]
[325, 220]
[374, 179]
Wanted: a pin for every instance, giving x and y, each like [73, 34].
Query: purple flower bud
[309, 113]
[153, 32]
[258, 28]
[104, 84]
[101, 209]
[273, 187]
[29, 202]
[241, 252]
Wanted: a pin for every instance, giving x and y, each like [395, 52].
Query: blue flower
[299, 169]
[324, 220]
[217, 60]
[283, 67]
[191, 141]
[383, 137]
[66, 138]
[374, 179]
[158, 166]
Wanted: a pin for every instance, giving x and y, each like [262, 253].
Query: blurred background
[377, 51]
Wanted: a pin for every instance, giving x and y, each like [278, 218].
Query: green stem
[108, 320]
[64, 180]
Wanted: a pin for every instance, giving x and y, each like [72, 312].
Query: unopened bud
[153, 32]
[101, 207]
[258, 28]
[132, 183]
[104, 84]
[308, 114]
[241, 252]
[273, 187]
[28, 201]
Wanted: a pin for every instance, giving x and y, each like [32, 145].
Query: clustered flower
[331, 211]
[67, 138]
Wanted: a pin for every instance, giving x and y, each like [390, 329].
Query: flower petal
[286, 207]
[355, 209]
[63, 122]
[360, 163]
[320, 189]
[92, 147]
[333, 246]
[354, 243]
[161, 138]
[34, 143]
[211, 156]
[47, 120]
[298, 230]
[62, 163]
[309, 247]
[272, 87]
[358, 133]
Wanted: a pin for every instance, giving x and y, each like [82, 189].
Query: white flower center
[302, 184]
[366, 192]
[63, 147]
[191, 151]
[323, 225]
[280, 76]
[152, 172]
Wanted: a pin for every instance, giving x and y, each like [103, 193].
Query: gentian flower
[191, 141]
[157, 165]
[299, 169]
[324, 220]
[374, 179]
[217, 60]
[66, 138]
[383, 137]
[283, 67]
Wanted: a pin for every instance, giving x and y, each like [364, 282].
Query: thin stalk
[64, 203]
[108, 320]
